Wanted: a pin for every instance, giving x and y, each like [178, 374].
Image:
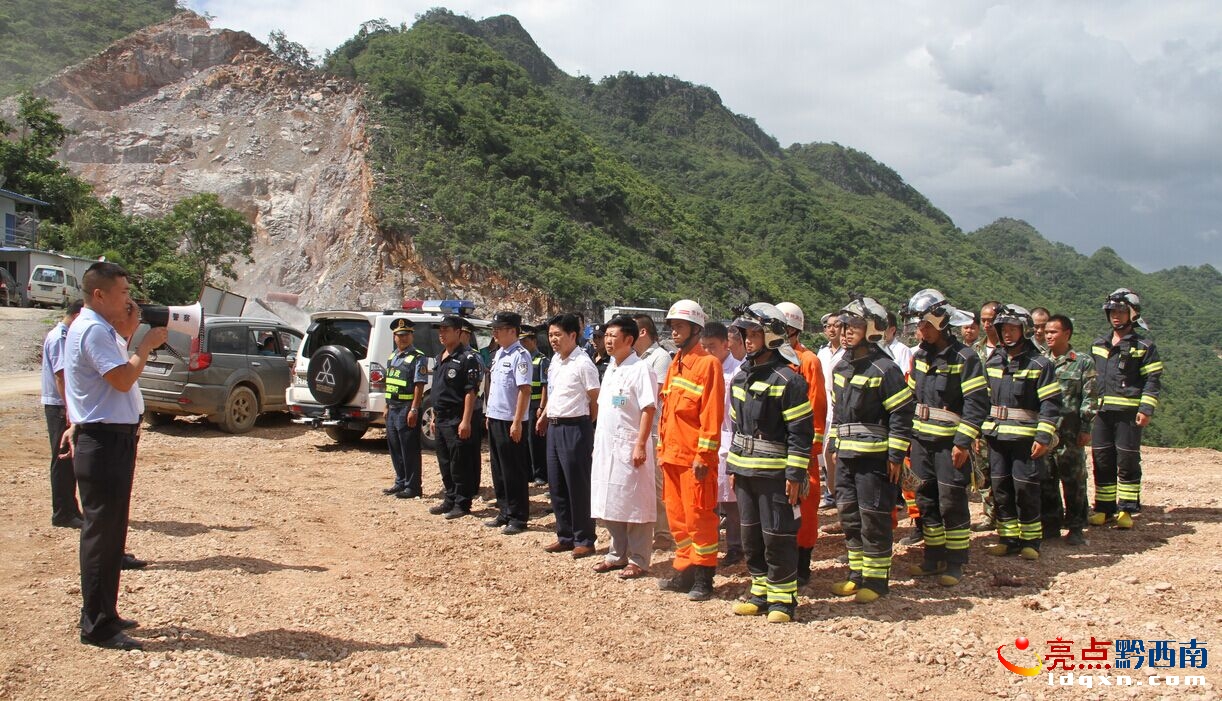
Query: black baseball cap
[451, 321]
[507, 319]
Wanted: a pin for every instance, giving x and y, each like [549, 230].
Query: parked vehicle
[52, 286]
[355, 345]
[238, 369]
[10, 294]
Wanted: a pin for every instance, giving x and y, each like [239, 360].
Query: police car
[339, 377]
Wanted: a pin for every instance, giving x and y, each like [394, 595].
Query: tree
[290, 51]
[215, 237]
[28, 164]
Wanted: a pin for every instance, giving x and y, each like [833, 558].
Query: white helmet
[687, 310]
[794, 317]
[867, 311]
[772, 321]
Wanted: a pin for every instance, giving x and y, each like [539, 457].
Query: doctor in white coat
[622, 490]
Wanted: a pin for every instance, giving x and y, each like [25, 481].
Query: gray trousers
[630, 542]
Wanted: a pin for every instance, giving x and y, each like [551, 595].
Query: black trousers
[404, 444]
[105, 463]
[865, 497]
[1016, 492]
[770, 537]
[63, 481]
[538, 450]
[459, 481]
[1115, 445]
[941, 497]
[570, 449]
[511, 470]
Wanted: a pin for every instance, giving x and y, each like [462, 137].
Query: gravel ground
[280, 571]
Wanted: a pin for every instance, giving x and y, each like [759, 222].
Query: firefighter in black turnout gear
[872, 408]
[1020, 430]
[952, 398]
[773, 430]
[405, 378]
[1129, 381]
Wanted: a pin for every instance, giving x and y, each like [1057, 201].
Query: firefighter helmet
[1012, 314]
[868, 311]
[794, 318]
[929, 305]
[1123, 298]
[772, 321]
[687, 310]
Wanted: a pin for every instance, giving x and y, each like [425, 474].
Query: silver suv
[339, 378]
[237, 369]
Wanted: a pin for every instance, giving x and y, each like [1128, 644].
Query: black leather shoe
[74, 522]
[513, 529]
[393, 490]
[131, 562]
[407, 494]
[120, 641]
[456, 512]
[497, 522]
[127, 623]
[442, 508]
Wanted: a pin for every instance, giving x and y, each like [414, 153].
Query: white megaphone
[187, 320]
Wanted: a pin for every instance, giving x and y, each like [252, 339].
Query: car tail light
[199, 360]
[377, 378]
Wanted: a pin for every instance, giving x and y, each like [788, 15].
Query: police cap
[507, 319]
[402, 325]
[526, 331]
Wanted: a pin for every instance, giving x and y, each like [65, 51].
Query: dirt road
[280, 571]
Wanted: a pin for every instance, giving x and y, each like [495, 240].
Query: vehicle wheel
[156, 418]
[333, 375]
[241, 410]
[345, 435]
[428, 438]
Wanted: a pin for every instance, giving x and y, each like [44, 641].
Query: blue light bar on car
[460, 307]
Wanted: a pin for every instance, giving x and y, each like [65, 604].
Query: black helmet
[1014, 315]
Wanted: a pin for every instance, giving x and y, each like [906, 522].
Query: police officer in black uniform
[538, 392]
[455, 396]
[404, 389]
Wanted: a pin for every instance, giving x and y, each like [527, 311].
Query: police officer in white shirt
[508, 427]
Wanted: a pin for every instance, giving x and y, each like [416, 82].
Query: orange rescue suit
[812, 370]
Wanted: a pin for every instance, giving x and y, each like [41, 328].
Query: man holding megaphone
[188, 319]
[104, 406]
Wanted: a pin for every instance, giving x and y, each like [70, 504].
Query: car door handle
[255, 364]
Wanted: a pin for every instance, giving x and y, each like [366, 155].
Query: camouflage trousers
[1066, 475]
[981, 481]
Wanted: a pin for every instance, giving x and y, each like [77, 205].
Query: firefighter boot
[1124, 521]
[755, 606]
[848, 587]
[1099, 518]
[782, 613]
[702, 583]
[933, 562]
[804, 566]
[952, 575]
[681, 582]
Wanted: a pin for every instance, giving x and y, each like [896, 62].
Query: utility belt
[568, 420]
[844, 431]
[924, 412]
[125, 429]
[745, 445]
[1005, 413]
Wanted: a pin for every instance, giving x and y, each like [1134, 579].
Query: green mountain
[646, 189]
[40, 38]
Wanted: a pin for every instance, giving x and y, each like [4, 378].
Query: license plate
[46, 288]
[158, 368]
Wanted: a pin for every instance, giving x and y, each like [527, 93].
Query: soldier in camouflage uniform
[984, 347]
[1067, 462]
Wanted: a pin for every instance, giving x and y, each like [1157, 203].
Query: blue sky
[1097, 122]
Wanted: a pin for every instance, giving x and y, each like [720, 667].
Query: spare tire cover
[333, 375]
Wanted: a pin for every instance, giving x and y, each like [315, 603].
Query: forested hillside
[646, 188]
[40, 37]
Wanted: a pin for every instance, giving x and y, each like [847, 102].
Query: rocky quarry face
[181, 108]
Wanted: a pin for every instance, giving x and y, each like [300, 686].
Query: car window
[72, 282]
[289, 342]
[263, 342]
[227, 339]
[49, 275]
[426, 340]
[352, 334]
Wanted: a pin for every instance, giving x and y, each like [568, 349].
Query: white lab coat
[729, 368]
[619, 491]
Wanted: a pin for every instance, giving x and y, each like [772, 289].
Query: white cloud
[1028, 109]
